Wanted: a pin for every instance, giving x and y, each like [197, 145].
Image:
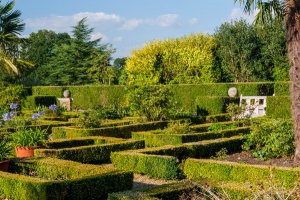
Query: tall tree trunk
[293, 36]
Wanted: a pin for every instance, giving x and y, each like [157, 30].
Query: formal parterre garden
[182, 134]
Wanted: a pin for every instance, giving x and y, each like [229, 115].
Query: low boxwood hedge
[241, 173]
[163, 162]
[95, 154]
[52, 178]
[158, 138]
[117, 131]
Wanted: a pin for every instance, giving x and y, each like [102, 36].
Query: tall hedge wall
[185, 95]
[282, 88]
[279, 107]
[85, 97]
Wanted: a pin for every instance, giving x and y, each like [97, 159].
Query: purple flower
[14, 106]
[12, 114]
[35, 116]
[53, 107]
[6, 117]
[32, 173]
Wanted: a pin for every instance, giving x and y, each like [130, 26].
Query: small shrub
[90, 119]
[221, 155]
[271, 138]
[154, 102]
[111, 112]
[178, 127]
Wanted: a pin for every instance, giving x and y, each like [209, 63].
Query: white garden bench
[255, 106]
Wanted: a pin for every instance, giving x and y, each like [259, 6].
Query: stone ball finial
[232, 92]
[66, 93]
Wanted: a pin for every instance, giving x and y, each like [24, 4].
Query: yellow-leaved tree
[189, 59]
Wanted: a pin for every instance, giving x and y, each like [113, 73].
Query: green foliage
[271, 138]
[279, 107]
[159, 138]
[89, 119]
[34, 101]
[37, 180]
[274, 63]
[87, 97]
[26, 137]
[164, 167]
[218, 126]
[39, 49]
[282, 88]
[5, 149]
[221, 155]
[154, 102]
[238, 46]
[189, 59]
[123, 131]
[76, 60]
[11, 27]
[178, 127]
[112, 112]
[95, 154]
[161, 162]
[10, 94]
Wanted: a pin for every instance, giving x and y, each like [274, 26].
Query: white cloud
[193, 21]
[168, 20]
[132, 24]
[65, 23]
[118, 39]
[97, 17]
[238, 13]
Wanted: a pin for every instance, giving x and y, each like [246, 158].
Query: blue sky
[129, 24]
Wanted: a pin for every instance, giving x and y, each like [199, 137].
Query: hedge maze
[100, 163]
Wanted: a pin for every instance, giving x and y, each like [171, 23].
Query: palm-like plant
[289, 12]
[10, 28]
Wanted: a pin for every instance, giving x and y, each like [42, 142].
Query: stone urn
[66, 94]
[232, 92]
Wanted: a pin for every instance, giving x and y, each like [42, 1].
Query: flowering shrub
[10, 121]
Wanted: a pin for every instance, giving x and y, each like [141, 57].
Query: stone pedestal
[65, 102]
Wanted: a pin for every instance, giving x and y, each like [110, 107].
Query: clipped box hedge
[241, 173]
[282, 88]
[158, 138]
[116, 131]
[163, 192]
[76, 142]
[94, 154]
[60, 179]
[214, 105]
[186, 189]
[205, 127]
[163, 162]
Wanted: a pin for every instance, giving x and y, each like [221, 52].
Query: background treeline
[236, 52]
